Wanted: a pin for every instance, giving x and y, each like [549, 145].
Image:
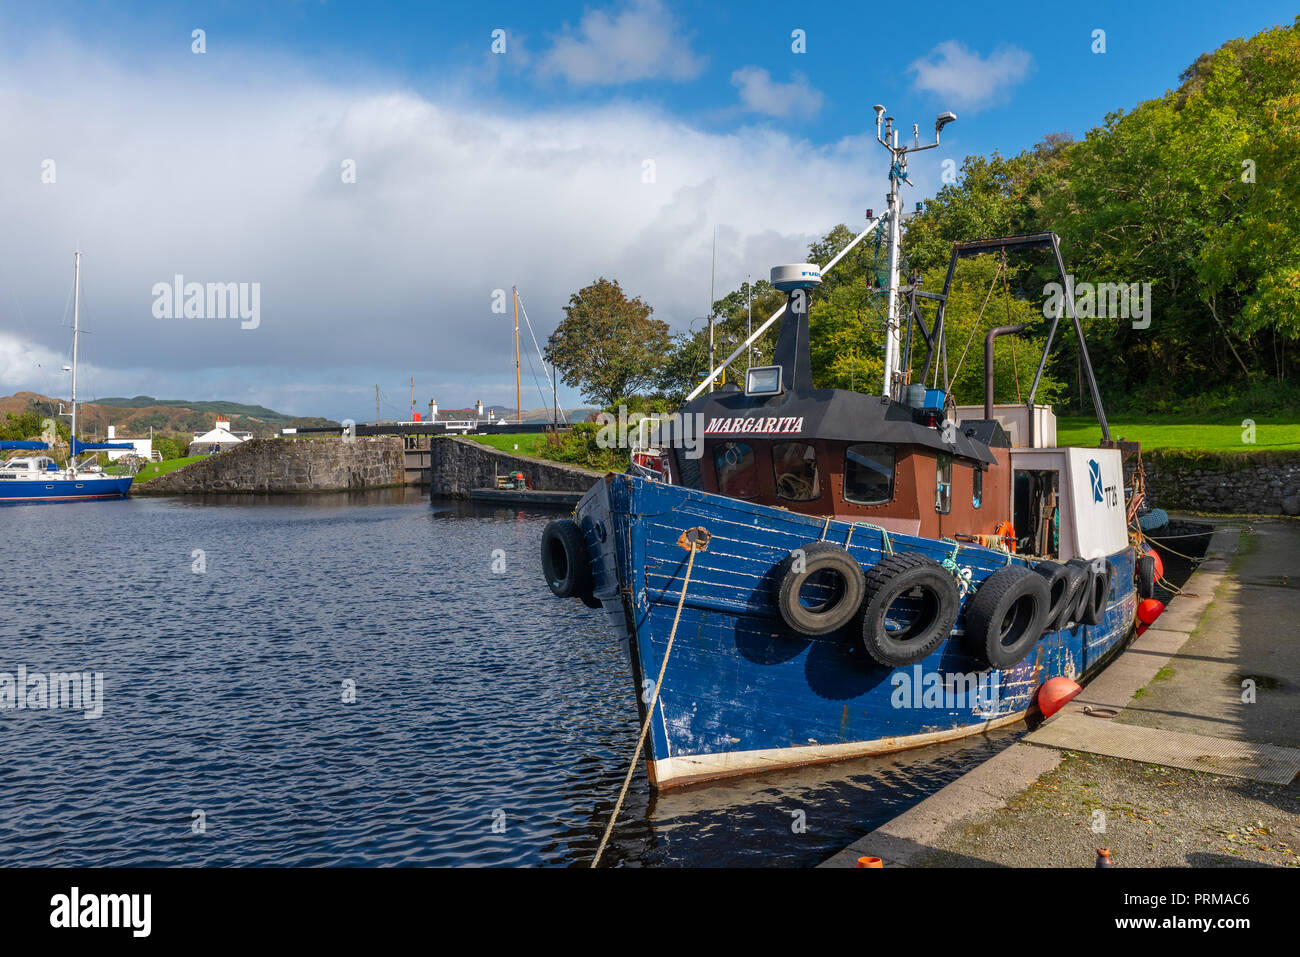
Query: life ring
[919, 597]
[1007, 615]
[1063, 584]
[1006, 533]
[565, 561]
[818, 588]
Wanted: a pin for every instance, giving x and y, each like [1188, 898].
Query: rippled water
[481, 701]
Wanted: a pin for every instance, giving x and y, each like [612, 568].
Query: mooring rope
[649, 713]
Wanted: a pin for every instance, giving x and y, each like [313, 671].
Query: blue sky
[477, 170]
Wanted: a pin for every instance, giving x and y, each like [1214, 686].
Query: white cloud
[759, 93]
[166, 172]
[638, 43]
[964, 78]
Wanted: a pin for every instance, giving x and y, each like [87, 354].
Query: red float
[1149, 609]
[1055, 694]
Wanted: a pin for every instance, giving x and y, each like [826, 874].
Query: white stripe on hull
[687, 769]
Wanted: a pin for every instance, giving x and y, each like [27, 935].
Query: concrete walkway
[1223, 664]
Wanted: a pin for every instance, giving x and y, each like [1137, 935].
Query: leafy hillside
[135, 417]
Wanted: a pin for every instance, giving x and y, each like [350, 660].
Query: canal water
[358, 680]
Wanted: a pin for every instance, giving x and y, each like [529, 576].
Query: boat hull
[744, 693]
[63, 490]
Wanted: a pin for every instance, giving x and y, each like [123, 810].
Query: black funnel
[792, 344]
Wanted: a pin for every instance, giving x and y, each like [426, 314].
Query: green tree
[607, 345]
[688, 362]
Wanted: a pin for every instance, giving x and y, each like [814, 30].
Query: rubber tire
[1098, 595]
[1085, 592]
[886, 581]
[565, 561]
[818, 556]
[999, 596]
[1060, 592]
[1077, 586]
[1146, 576]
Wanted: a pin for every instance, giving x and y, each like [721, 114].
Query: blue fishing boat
[38, 478]
[803, 575]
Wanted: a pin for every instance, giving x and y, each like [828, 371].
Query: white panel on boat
[1015, 419]
[1097, 494]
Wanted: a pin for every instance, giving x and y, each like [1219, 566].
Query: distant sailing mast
[76, 329]
[519, 401]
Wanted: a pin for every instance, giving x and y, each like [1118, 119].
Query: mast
[749, 322]
[713, 273]
[898, 174]
[76, 329]
[519, 401]
[891, 320]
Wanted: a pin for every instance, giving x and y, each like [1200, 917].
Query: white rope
[645, 727]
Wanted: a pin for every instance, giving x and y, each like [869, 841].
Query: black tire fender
[1062, 588]
[922, 580]
[801, 565]
[1093, 607]
[1146, 576]
[1084, 599]
[1076, 588]
[565, 561]
[1007, 615]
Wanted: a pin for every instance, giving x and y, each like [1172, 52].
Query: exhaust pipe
[988, 362]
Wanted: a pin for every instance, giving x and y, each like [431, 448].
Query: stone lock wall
[291, 463]
[458, 465]
[1257, 483]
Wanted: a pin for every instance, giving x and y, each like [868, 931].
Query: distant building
[143, 447]
[217, 439]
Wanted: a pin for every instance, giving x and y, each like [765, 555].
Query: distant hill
[135, 417]
[259, 413]
[542, 415]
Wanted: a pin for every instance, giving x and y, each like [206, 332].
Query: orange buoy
[1055, 694]
[1149, 609]
[870, 862]
[1142, 626]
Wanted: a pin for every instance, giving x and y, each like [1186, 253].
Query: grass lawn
[1155, 432]
[155, 469]
[524, 443]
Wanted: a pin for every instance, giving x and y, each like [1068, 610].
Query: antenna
[898, 174]
[713, 273]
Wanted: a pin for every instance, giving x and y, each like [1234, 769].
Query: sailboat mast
[519, 399]
[76, 329]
